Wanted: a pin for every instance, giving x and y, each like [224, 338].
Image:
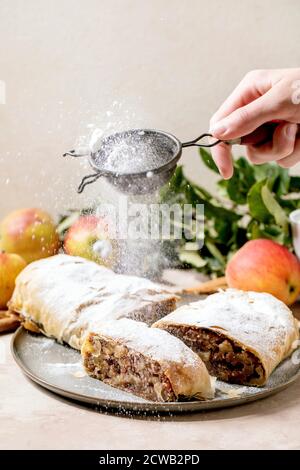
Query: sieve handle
[88, 180]
[72, 153]
[195, 142]
[260, 136]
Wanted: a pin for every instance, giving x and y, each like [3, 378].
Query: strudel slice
[241, 336]
[62, 296]
[145, 361]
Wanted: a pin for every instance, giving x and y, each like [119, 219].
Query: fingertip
[226, 172]
[218, 129]
[222, 157]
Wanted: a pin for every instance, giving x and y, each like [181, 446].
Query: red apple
[89, 238]
[263, 265]
[10, 266]
[30, 233]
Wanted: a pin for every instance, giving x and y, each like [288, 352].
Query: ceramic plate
[58, 368]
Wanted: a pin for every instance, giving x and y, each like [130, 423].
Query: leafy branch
[254, 203]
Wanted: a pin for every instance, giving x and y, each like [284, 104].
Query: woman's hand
[262, 96]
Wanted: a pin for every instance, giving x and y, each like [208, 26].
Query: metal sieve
[151, 156]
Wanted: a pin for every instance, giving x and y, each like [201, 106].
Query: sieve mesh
[135, 151]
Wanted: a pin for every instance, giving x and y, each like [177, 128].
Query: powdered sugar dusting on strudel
[157, 344]
[63, 295]
[258, 320]
[185, 370]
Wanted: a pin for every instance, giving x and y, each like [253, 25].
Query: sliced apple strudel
[62, 296]
[241, 336]
[145, 361]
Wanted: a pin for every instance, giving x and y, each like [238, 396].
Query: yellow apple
[89, 238]
[10, 266]
[31, 233]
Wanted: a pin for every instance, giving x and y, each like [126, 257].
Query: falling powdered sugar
[134, 152]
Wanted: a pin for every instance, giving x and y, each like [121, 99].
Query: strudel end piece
[62, 296]
[241, 336]
[145, 361]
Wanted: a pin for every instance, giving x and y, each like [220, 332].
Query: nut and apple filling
[224, 358]
[119, 366]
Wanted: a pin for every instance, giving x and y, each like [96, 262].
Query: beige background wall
[72, 64]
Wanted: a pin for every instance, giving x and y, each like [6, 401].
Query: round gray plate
[59, 369]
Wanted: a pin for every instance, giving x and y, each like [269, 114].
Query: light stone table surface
[33, 418]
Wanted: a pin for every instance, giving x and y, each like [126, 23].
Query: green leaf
[238, 236]
[193, 258]
[66, 221]
[272, 232]
[177, 179]
[210, 210]
[257, 207]
[208, 160]
[246, 172]
[281, 184]
[289, 204]
[174, 187]
[203, 193]
[215, 252]
[267, 170]
[238, 186]
[224, 228]
[253, 230]
[235, 190]
[294, 184]
[274, 208]
[278, 178]
[191, 246]
[214, 267]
